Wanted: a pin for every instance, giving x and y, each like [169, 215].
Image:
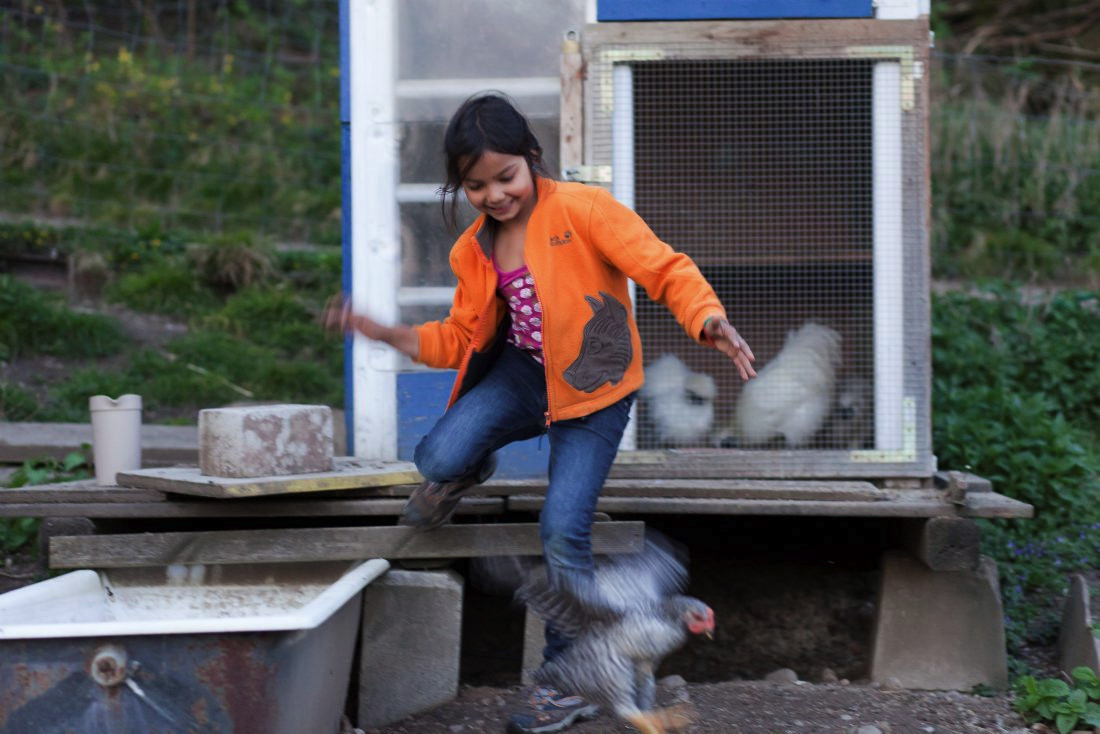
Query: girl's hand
[339, 317]
[723, 337]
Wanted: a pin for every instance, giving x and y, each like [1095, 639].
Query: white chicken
[793, 393]
[680, 402]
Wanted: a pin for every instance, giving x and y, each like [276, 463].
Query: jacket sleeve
[671, 278]
[443, 343]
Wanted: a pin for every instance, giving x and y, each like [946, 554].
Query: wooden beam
[706, 488]
[322, 544]
[84, 490]
[383, 507]
[945, 543]
[571, 149]
[160, 445]
[898, 503]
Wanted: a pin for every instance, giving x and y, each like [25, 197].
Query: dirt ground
[756, 707]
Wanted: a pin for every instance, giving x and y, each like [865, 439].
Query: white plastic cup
[116, 436]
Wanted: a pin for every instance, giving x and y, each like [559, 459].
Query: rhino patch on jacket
[606, 351]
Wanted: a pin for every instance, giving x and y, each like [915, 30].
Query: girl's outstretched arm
[723, 337]
[340, 317]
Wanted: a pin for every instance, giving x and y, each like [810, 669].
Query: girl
[543, 337]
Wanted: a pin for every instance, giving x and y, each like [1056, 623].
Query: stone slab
[265, 440]
[1077, 642]
[410, 646]
[938, 630]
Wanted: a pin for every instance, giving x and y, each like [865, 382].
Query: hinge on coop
[587, 174]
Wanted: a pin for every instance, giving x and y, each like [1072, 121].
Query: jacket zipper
[545, 356]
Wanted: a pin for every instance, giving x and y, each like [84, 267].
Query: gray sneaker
[432, 503]
[549, 711]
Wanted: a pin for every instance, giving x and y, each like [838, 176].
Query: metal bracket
[587, 174]
[911, 69]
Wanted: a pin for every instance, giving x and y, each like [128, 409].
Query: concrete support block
[534, 640]
[945, 543]
[938, 630]
[412, 636]
[265, 440]
[1077, 644]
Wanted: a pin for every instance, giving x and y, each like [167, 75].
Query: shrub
[34, 321]
[166, 288]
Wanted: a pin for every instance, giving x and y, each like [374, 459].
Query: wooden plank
[160, 445]
[81, 491]
[348, 473]
[708, 488]
[735, 39]
[322, 544]
[383, 507]
[769, 464]
[571, 148]
[901, 503]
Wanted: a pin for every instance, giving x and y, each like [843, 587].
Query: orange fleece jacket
[581, 247]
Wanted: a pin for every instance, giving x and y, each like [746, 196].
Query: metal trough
[263, 649]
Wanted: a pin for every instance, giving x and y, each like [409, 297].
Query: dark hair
[486, 121]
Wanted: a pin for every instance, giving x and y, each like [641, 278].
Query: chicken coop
[783, 147]
[788, 159]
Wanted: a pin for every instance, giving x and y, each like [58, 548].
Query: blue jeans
[509, 404]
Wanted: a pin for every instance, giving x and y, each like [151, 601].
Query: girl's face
[500, 186]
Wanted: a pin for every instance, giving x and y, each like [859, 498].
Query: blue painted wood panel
[422, 398]
[626, 10]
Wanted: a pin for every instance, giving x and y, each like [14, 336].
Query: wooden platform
[226, 512]
[620, 496]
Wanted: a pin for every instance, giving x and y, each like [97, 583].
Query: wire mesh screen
[774, 175]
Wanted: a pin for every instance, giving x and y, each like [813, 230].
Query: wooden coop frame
[597, 146]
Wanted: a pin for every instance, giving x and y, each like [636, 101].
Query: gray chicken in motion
[622, 622]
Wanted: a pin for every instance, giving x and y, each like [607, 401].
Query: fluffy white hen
[680, 402]
[793, 393]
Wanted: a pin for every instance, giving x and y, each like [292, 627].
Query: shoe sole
[584, 713]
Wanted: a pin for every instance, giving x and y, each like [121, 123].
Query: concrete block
[265, 440]
[1077, 643]
[938, 630]
[534, 640]
[412, 637]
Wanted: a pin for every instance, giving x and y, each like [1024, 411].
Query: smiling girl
[542, 333]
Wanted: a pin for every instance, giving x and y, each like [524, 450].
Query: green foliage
[17, 532]
[33, 321]
[240, 131]
[48, 470]
[1014, 382]
[1051, 700]
[168, 287]
[16, 404]
[1014, 192]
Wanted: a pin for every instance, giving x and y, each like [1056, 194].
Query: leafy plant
[16, 532]
[48, 469]
[1055, 701]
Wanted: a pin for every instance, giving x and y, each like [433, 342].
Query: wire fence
[175, 115]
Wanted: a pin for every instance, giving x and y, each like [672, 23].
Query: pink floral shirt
[518, 289]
